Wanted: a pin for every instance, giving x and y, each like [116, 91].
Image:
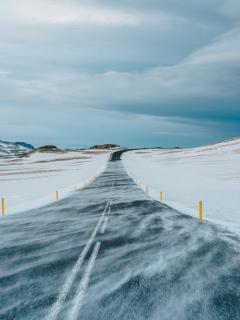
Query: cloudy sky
[135, 73]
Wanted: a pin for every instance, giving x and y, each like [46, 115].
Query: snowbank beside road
[186, 176]
[32, 181]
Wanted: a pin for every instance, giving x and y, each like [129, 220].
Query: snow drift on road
[186, 176]
[32, 181]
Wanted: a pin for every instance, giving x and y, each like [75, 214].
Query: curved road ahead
[110, 252]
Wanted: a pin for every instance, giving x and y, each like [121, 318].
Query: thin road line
[104, 225]
[83, 285]
[110, 204]
[70, 279]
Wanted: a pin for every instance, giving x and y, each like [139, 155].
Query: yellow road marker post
[3, 207]
[200, 210]
[161, 196]
[57, 196]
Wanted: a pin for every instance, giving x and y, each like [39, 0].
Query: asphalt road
[110, 252]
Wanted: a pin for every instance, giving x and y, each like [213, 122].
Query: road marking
[71, 277]
[104, 225]
[82, 288]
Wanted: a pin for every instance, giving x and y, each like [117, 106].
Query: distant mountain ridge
[105, 146]
[14, 148]
[25, 145]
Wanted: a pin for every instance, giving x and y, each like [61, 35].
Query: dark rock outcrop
[105, 146]
[48, 148]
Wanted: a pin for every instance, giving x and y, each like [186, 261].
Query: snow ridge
[14, 148]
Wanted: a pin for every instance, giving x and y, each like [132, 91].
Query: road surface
[109, 252]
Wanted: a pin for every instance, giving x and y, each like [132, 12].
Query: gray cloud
[164, 59]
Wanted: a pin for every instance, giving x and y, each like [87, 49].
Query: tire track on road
[56, 308]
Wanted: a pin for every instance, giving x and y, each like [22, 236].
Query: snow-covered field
[186, 176]
[32, 181]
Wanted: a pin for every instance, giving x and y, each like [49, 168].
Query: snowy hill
[31, 182]
[14, 148]
[185, 176]
[107, 146]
